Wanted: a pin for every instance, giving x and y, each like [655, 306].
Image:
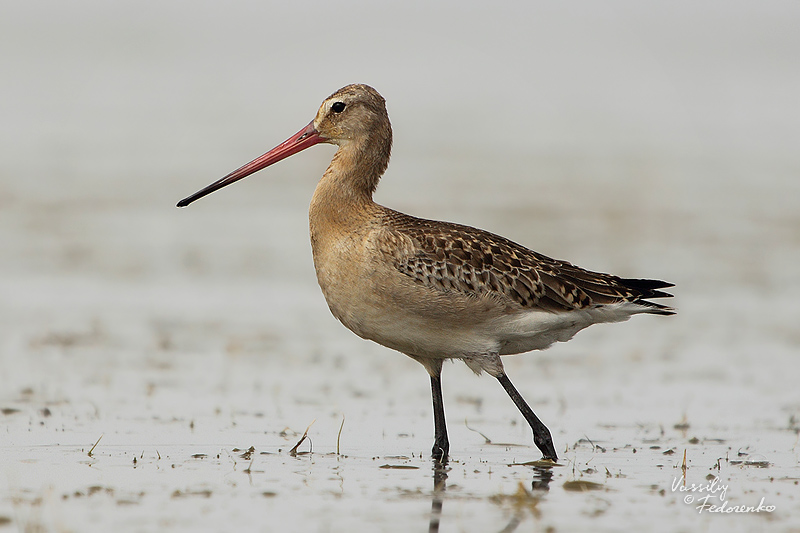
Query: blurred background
[650, 140]
[655, 139]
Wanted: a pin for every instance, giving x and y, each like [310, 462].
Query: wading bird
[436, 290]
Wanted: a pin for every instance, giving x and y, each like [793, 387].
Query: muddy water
[192, 440]
[157, 366]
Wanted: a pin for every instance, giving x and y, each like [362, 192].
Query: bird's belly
[450, 325]
[395, 311]
[416, 320]
[414, 335]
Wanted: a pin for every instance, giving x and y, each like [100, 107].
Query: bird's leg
[440, 444]
[541, 435]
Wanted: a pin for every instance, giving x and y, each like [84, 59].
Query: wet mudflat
[201, 438]
[157, 366]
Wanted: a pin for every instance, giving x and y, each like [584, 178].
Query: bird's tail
[644, 289]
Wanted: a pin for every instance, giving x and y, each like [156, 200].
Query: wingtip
[644, 284]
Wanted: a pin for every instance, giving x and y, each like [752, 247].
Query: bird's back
[456, 258]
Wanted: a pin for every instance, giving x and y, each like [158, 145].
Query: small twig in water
[293, 451]
[488, 440]
[249, 468]
[339, 436]
[95, 446]
[683, 467]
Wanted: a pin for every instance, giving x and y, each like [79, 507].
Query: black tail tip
[649, 288]
[645, 284]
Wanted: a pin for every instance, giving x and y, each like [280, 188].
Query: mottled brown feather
[454, 257]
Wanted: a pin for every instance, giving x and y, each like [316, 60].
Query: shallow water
[657, 142]
[176, 428]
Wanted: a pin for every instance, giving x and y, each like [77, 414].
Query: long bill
[301, 140]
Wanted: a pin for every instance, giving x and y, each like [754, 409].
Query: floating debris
[293, 451]
[683, 425]
[205, 493]
[580, 485]
[757, 461]
[521, 501]
[541, 463]
[248, 453]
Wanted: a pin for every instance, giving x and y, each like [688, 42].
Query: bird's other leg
[541, 435]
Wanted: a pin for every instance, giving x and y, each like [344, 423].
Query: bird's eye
[337, 107]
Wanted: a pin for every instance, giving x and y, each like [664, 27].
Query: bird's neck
[343, 196]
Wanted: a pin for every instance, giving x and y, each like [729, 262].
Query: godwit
[436, 290]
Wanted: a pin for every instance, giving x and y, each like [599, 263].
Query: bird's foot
[439, 451]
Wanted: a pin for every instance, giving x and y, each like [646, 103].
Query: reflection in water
[439, 485]
[527, 503]
[542, 476]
